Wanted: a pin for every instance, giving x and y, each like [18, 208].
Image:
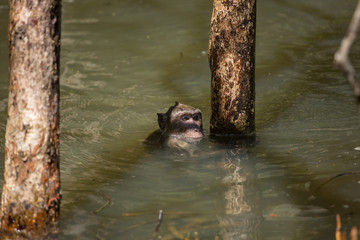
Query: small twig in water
[338, 228]
[158, 224]
[107, 203]
[354, 233]
[332, 178]
[341, 235]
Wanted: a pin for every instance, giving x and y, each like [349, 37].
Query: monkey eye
[196, 117]
[184, 118]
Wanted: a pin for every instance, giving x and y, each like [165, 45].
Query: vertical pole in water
[31, 192]
[232, 64]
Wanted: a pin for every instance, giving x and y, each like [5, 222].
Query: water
[124, 61]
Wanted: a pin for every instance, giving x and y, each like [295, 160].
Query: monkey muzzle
[194, 133]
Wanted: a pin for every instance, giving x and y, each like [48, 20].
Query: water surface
[124, 61]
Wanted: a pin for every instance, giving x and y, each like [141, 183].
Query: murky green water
[123, 61]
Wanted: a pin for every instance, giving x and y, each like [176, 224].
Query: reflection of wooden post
[232, 64]
[243, 215]
[31, 192]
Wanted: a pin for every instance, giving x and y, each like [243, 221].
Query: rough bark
[31, 191]
[342, 59]
[232, 64]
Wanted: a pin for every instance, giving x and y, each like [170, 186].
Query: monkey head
[181, 122]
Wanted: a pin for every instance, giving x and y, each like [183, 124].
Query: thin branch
[334, 177]
[107, 203]
[342, 55]
[338, 228]
[160, 217]
[354, 233]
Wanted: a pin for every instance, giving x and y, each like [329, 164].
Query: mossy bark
[31, 191]
[232, 64]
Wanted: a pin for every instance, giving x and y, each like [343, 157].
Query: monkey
[180, 127]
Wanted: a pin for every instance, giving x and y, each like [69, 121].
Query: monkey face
[187, 124]
[181, 121]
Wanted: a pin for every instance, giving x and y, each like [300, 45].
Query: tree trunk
[232, 64]
[31, 191]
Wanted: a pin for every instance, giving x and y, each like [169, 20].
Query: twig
[334, 177]
[354, 233]
[338, 227]
[341, 235]
[134, 214]
[160, 217]
[107, 203]
[342, 54]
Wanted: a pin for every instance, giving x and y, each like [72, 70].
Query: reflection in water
[242, 219]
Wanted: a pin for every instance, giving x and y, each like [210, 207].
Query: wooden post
[232, 64]
[31, 192]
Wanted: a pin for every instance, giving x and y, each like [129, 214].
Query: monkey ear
[162, 120]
